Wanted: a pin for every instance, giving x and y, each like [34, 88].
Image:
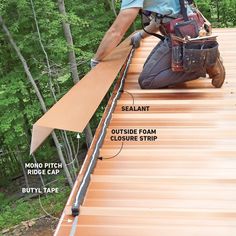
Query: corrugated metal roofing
[183, 184]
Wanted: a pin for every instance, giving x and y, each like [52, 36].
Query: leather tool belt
[169, 27]
[191, 50]
[193, 47]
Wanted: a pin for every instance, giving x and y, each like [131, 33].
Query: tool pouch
[193, 55]
[182, 30]
[186, 29]
[192, 50]
[176, 54]
[199, 54]
[194, 20]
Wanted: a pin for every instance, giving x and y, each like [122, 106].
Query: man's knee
[144, 82]
[149, 83]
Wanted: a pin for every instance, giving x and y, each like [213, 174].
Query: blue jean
[157, 71]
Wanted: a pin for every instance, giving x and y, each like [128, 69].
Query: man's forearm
[109, 42]
[112, 39]
[114, 35]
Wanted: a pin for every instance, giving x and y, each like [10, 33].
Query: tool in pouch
[190, 51]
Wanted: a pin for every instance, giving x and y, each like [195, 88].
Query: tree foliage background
[19, 107]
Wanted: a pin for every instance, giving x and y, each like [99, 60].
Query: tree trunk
[40, 98]
[218, 10]
[19, 158]
[51, 86]
[72, 61]
[112, 6]
[70, 154]
[35, 161]
[52, 89]
[88, 135]
[72, 146]
[71, 151]
[69, 40]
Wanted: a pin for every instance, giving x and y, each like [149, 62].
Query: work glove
[136, 39]
[93, 63]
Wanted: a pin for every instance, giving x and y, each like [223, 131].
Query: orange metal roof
[184, 184]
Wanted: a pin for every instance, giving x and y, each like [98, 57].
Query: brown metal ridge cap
[74, 110]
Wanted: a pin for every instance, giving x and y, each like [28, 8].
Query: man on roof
[158, 70]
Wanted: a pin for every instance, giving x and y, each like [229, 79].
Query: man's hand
[136, 39]
[93, 63]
